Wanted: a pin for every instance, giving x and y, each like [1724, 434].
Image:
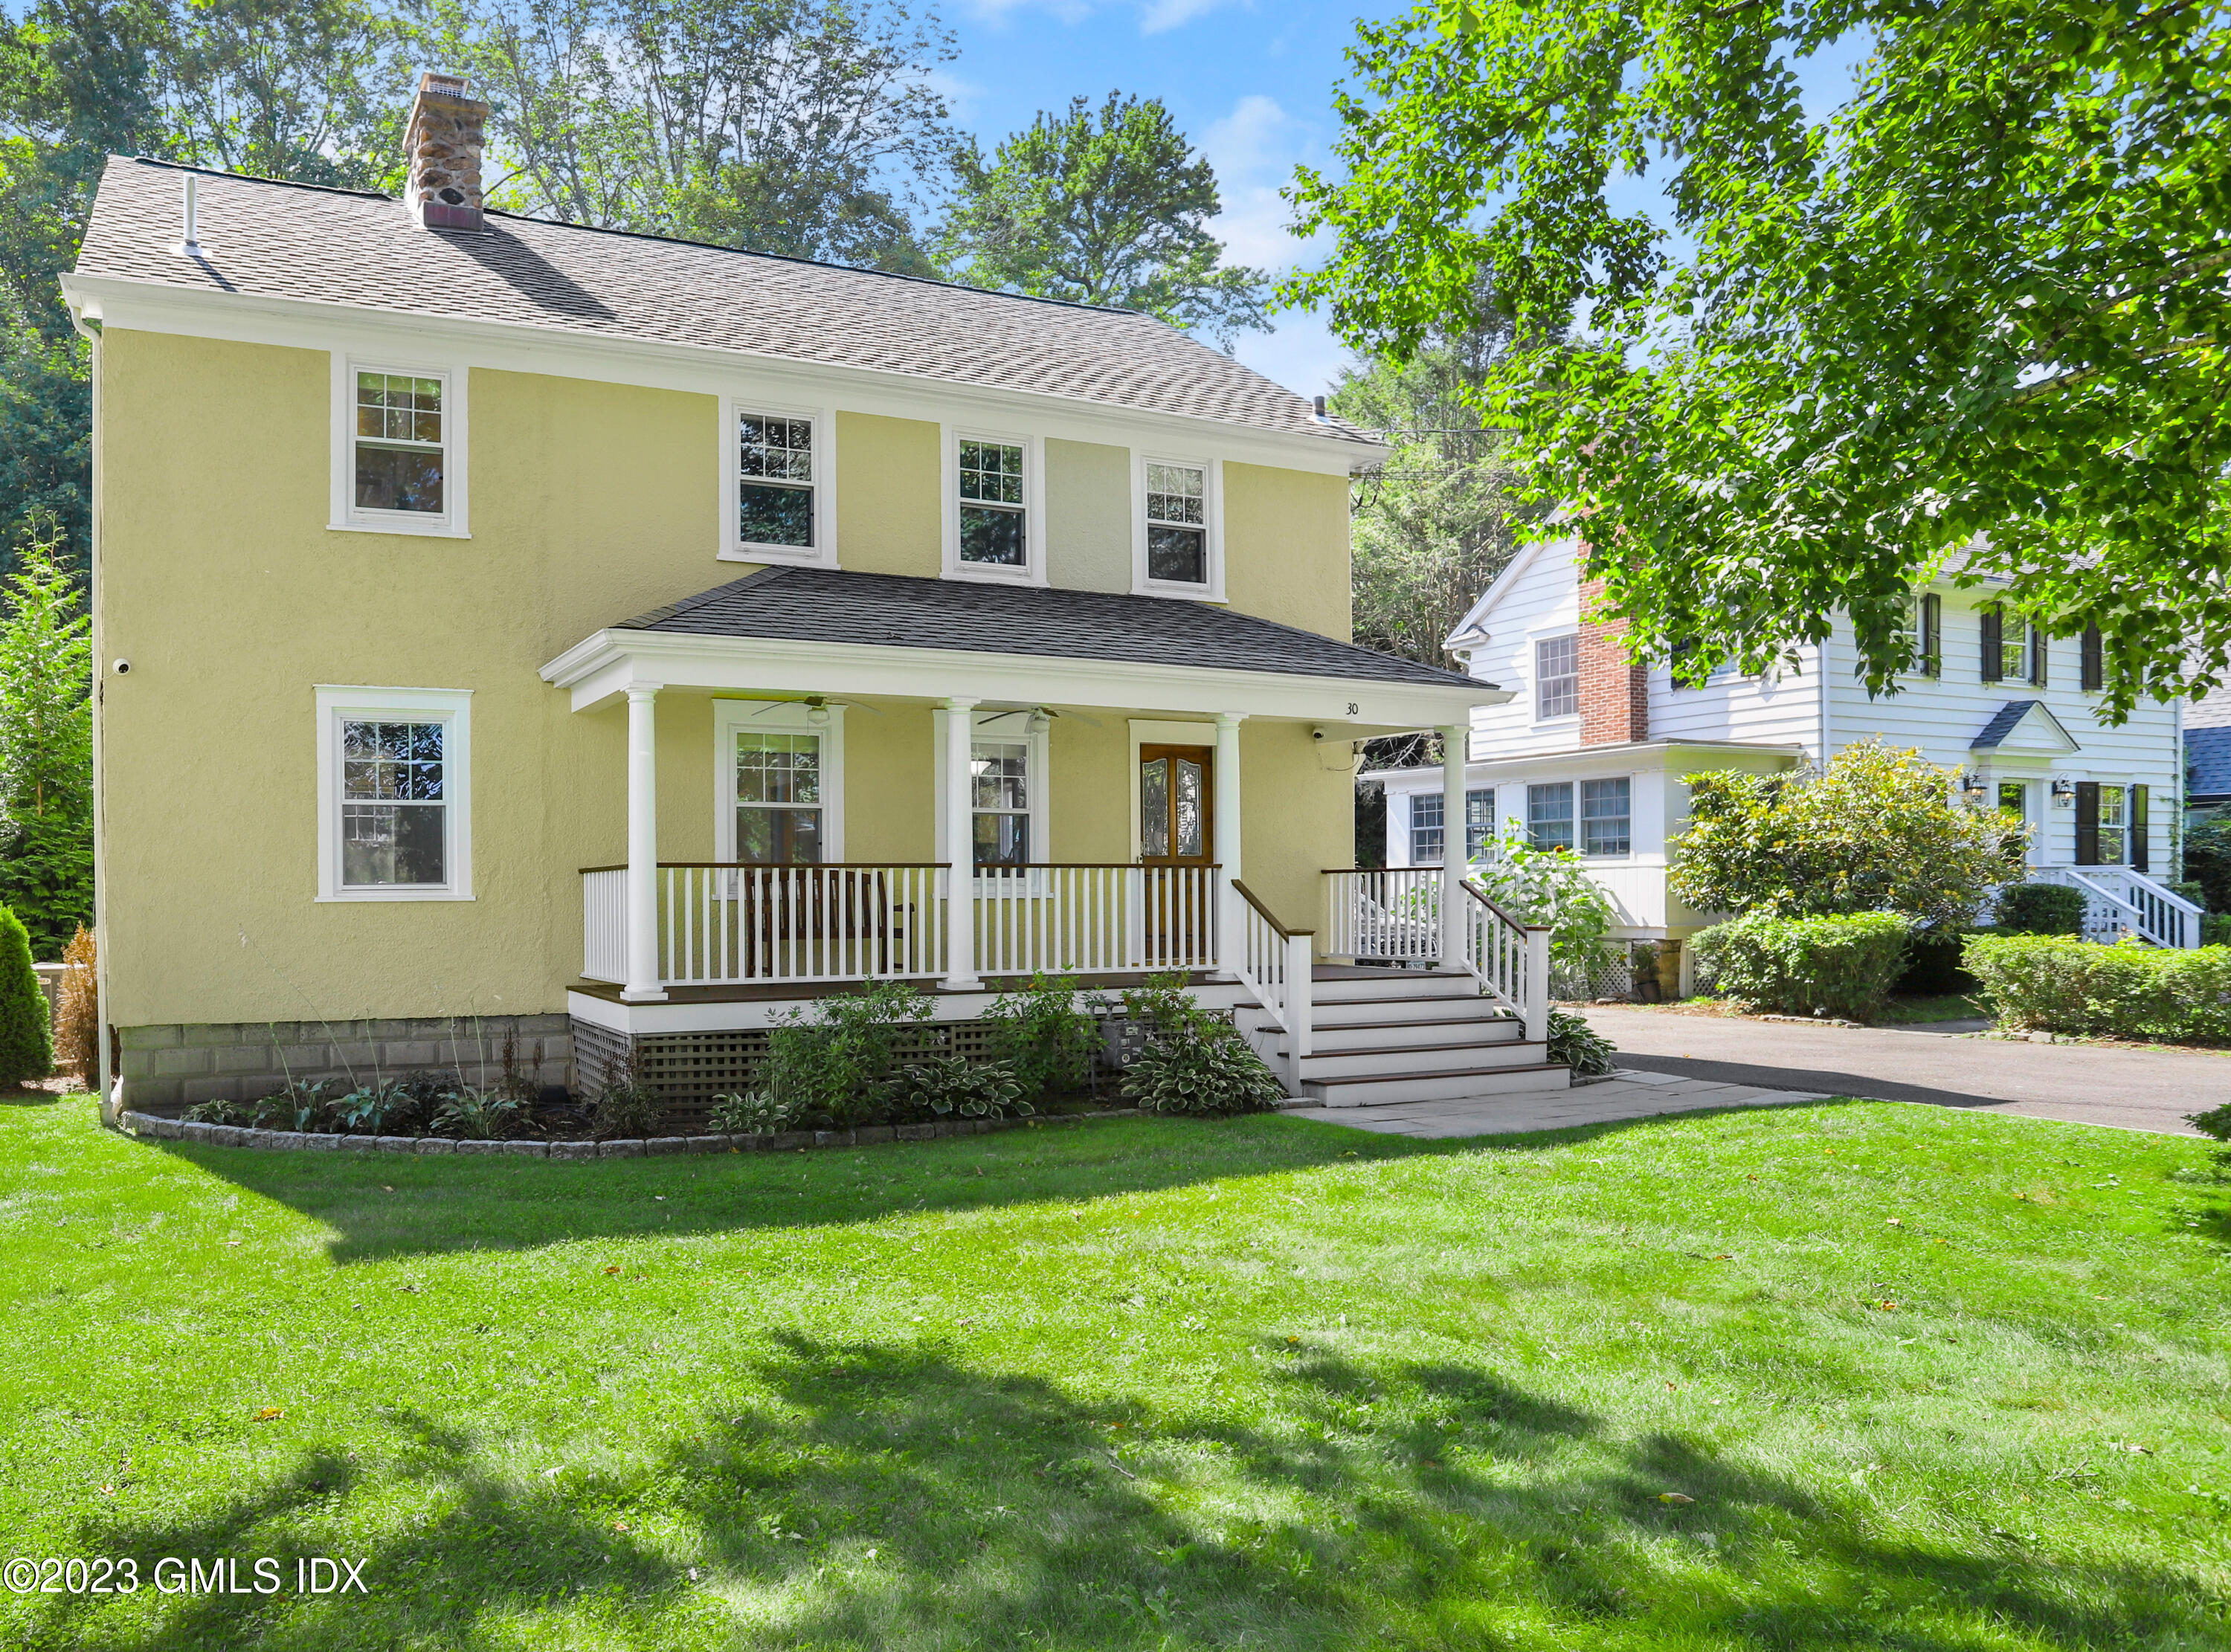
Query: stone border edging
[216, 1135]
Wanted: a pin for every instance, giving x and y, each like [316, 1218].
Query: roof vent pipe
[1317, 408]
[190, 245]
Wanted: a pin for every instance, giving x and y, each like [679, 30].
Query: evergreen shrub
[27, 1049]
[1805, 966]
[2060, 983]
[2040, 909]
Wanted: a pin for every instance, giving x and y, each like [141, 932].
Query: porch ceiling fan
[1034, 712]
[816, 707]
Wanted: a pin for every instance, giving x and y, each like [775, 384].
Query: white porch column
[643, 983]
[1231, 932]
[1456, 753]
[960, 847]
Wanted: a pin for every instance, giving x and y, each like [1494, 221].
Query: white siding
[1537, 599]
[1779, 711]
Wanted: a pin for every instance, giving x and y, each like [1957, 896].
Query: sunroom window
[775, 480]
[994, 525]
[401, 444]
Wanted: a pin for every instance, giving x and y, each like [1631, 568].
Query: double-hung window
[1557, 677]
[776, 489]
[1427, 838]
[399, 455]
[1606, 816]
[779, 798]
[1923, 634]
[2012, 649]
[994, 504]
[1177, 551]
[999, 775]
[1549, 814]
[394, 793]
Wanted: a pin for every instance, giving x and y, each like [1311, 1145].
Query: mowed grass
[1911, 1378]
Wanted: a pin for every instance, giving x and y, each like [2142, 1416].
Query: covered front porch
[961, 817]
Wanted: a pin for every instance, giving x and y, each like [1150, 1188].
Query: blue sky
[1249, 81]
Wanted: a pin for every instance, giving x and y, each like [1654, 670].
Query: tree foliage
[46, 751]
[1552, 886]
[790, 127]
[1974, 319]
[1101, 208]
[1877, 830]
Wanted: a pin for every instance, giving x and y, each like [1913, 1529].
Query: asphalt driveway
[2128, 1089]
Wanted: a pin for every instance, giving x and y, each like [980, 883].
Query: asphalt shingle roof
[2002, 723]
[274, 240]
[2207, 753]
[894, 610]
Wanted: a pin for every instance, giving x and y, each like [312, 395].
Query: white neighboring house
[1589, 753]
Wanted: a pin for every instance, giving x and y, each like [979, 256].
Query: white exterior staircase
[1382, 1035]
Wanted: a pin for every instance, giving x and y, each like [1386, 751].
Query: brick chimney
[443, 142]
[1614, 686]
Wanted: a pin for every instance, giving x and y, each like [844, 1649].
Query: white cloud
[1254, 150]
[998, 11]
[1162, 16]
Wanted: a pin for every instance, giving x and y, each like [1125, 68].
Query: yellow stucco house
[513, 629]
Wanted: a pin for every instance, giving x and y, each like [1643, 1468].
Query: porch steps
[1380, 1037]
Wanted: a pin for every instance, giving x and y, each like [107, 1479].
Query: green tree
[790, 127]
[1974, 319]
[46, 751]
[1108, 208]
[26, 1034]
[1877, 830]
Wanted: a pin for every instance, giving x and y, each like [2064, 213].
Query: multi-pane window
[400, 452]
[1177, 524]
[1557, 677]
[1427, 815]
[1923, 634]
[2013, 650]
[2014, 810]
[394, 815]
[779, 801]
[1549, 814]
[999, 775]
[2114, 825]
[774, 485]
[1606, 816]
[995, 527]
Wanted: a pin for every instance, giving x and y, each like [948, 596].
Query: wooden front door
[1177, 844]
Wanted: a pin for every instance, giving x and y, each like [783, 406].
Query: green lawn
[1933, 1381]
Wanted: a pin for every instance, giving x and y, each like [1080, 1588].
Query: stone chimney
[1614, 686]
[441, 143]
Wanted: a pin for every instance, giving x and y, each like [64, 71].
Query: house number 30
[1353, 710]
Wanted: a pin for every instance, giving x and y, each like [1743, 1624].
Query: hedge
[2054, 983]
[2041, 909]
[1804, 967]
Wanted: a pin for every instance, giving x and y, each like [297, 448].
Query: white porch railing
[1273, 962]
[1081, 920]
[1510, 958]
[2118, 901]
[729, 923]
[1390, 914]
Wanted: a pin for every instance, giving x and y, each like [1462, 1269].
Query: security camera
[123, 668]
[1320, 734]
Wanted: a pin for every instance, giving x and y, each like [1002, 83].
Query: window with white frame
[393, 794]
[994, 506]
[1177, 524]
[1606, 816]
[1427, 815]
[999, 777]
[779, 798]
[402, 447]
[1549, 814]
[1557, 677]
[775, 481]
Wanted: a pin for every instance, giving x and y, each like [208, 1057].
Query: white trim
[1212, 513]
[1468, 636]
[1033, 571]
[1007, 723]
[452, 523]
[451, 707]
[730, 718]
[822, 554]
[1146, 733]
[519, 346]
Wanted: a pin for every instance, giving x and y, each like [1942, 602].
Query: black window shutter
[2037, 656]
[2138, 831]
[1932, 633]
[2087, 822]
[1991, 618]
[2095, 659]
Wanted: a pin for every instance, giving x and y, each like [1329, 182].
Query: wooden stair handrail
[1482, 896]
[1267, 916]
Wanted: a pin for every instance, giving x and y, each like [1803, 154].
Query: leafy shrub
[2216, 1122]
[1877, 830]
[1578, 1045]
[1194, 1061]
[2215, 930]
[77, 1011]
[1932, 962]
[756, 1112]
[953, 1084]
[221, 1111]
[1552, 886]
[2059, 984]
[27, 1049]
[2040, 909]
[387, 1107]
[1047, 1034]
[1841, 966]
[311, 1107]
[836, 1061]
[2208, 860]
[625, 1110]
[470, 1112]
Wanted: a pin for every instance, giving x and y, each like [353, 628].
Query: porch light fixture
[2064, 794]
[818, 714]
[1041, 720]
[1969, 785]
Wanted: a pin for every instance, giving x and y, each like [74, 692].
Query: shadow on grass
[874, 1494]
